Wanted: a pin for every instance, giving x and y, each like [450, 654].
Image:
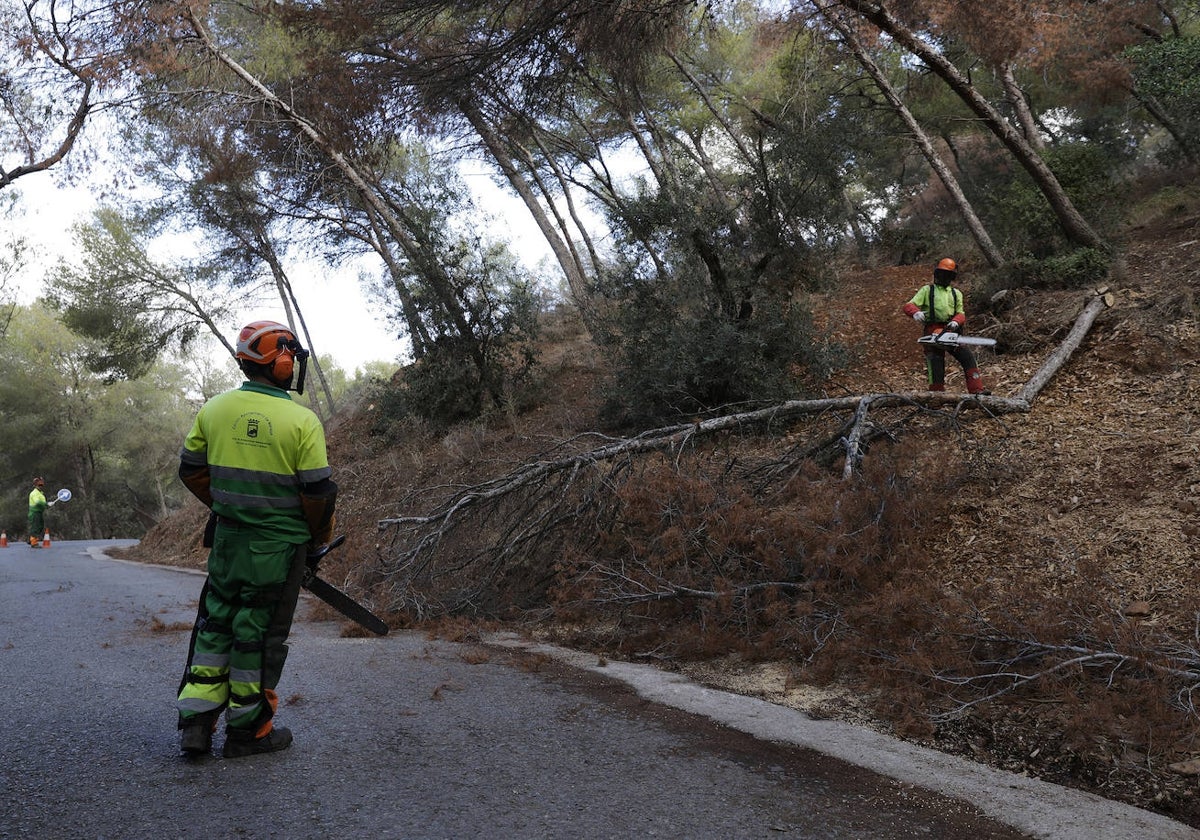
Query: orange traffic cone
[3, 539]
[46, 539]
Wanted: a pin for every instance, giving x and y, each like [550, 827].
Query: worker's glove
[954, 326]
[919, 317]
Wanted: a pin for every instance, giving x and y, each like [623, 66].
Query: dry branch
[678, 436]
[1064, 658]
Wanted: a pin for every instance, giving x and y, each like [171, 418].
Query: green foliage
[673, 360]
[1069, 270]
[443, 388]
[462, 379]
[131, 306]
[1022, 217]
[114, 445]
[1168, 71]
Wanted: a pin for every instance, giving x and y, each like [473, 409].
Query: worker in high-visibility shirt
[939, 306]
[258, 460]
[37, 512]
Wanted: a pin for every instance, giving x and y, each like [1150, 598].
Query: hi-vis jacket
[259, 449]
[941, 305]
[37, 500]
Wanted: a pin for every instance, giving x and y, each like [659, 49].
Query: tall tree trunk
[565, 185]
[83, 483]
[1072, 222]
[417, 333]
[862, 246]
[978, 232]
[1020, 106]
[291, 307]
[317, 367]
[560, 223]
[572, 269]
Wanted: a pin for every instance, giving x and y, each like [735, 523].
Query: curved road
[405, 737]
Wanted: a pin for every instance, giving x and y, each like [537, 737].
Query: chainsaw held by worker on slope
[951, 339]
[335, 597]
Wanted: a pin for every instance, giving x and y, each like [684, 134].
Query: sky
[342, 321]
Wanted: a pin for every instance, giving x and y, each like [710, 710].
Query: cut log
[1070, 344]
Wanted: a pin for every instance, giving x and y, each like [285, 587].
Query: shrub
[672, 362]
[1023, 217]
[1070, 270]
[462, 378]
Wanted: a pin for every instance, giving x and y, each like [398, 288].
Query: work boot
[196, 734]
[239, 744]
[195, 740]
[937, 386]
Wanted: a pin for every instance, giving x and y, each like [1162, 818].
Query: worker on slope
[939, 306]
[258, 460]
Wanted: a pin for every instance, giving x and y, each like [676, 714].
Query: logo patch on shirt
[253, 428]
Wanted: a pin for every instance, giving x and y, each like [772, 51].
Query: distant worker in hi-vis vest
[37, 513]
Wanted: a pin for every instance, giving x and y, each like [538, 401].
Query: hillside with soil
[1091, 490]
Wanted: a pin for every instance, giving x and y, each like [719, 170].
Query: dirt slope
[1108, 453]
[1095, 487]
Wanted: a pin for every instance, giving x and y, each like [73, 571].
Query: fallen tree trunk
[673, 437]
[1059, 357]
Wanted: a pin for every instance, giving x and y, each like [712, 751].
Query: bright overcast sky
[343, 323]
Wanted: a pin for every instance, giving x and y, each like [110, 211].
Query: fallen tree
[515, 521]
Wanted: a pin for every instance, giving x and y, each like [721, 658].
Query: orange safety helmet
[945, 271]
[275, 348]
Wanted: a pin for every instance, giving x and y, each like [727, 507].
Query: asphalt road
[407, 737]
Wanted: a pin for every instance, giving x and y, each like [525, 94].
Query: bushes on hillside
[672, 360]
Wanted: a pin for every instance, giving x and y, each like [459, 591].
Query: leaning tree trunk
[291, 306]
[1156, 111]
[990, 252]
[1072, 222]
[576, 280]
[439, 283]
[1020, 105]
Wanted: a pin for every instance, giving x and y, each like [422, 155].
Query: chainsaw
[335, 597]
[951, 339]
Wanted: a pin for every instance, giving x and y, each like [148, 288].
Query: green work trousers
[37, 524]
[245, 614]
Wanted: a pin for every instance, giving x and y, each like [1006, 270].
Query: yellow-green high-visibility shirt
[946, 303]
[259, 448]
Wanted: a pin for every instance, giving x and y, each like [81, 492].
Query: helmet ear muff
[282, 367]
[266, 348]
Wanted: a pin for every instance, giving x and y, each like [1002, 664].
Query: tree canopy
[695, 169]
